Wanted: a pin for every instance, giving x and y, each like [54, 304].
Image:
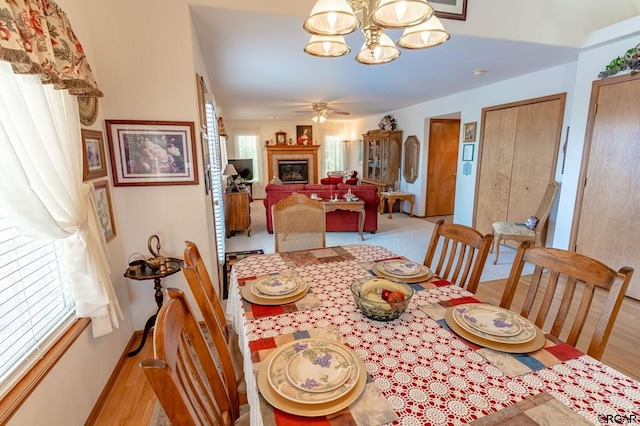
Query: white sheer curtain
[334, 149]
[247, 145]
[41, 188]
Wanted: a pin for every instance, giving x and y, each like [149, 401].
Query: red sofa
[340, 220]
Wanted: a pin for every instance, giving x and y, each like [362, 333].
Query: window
[334, 150]
[248, 146]
[215, 162]
[35, 299]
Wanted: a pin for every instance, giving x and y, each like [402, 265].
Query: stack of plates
[404, 270]
[495, 328]
[312, 377]
[275, 290]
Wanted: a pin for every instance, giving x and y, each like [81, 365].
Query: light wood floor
[131, 400]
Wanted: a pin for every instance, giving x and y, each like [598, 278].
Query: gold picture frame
[469, 134]
[94, 161]
[102, 198]
[202, 90]
[145, 153]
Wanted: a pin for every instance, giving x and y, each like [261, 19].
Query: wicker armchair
[298, 223]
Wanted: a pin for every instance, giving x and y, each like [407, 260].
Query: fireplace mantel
[276, 153]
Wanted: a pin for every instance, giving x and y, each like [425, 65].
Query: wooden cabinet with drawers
[237, 212]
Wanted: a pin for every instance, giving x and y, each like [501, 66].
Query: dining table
[418, 370]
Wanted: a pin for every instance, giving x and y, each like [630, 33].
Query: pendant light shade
[428, 34]
[401, 13]
[327, 46]
[385, 51]
[331, 17]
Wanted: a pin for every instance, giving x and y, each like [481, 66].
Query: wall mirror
[411, 159]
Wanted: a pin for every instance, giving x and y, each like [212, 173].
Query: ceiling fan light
[327, 46]
[314, 118]
[401, 13]
[428, 34]
[331, 17]
[385, 51]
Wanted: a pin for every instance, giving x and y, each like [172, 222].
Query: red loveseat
[340, 220]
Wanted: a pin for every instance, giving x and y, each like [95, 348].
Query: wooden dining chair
[461, 253]
[183, 373]
[298, 223]
[557, 276]
[515, 231]
[210, 307]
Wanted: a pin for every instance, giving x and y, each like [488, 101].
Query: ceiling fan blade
[340, 112]
[303, 112]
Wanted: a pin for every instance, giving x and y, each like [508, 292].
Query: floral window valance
[36, 38]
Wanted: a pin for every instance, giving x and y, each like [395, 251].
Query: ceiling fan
[320, 112]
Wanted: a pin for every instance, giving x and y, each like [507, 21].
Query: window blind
[215, 163]
[35, 300]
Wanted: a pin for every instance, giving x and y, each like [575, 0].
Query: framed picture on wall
[304, 135]
[450, 9]
[102, 197]
[467, 152]
[470, 132]
[94, 160]
[152, 152]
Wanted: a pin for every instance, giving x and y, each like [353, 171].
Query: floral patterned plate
[494, 323]
[402, 268]
[319, 370]
[278, 286]
[277, 372]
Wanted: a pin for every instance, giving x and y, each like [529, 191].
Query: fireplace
[300, 155]
[293, 171]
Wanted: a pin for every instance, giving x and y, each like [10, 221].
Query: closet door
[534, 156]
[496, 160]
[518, 154]
[607, 220]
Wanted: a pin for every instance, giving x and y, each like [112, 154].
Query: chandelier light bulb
[401, 8]
[332, 18]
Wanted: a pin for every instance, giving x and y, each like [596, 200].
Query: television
[244, 167]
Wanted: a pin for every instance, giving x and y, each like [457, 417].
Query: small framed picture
[467, 152]
[470, 132]
[94, 161]
[147, 153]
[304, 135]
[102, 198]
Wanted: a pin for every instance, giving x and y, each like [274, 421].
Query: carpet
[229, 259]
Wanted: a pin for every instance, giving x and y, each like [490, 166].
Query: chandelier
[330, 20]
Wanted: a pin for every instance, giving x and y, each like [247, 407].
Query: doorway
[444, 135]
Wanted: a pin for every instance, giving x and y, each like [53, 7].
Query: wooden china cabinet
[381, 158]
[237, 212]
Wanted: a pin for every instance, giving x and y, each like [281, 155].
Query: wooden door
[441, 173]
[607, 220]
[496, 160]
[534, 163]
[518, 154]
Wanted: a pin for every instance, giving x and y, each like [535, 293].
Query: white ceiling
[258, 70]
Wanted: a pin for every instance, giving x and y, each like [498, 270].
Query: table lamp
[229, 171]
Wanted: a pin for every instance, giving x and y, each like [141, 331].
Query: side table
[391, 198]
[353, 206]
[156, 276]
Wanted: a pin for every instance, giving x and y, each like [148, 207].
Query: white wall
[146, 73]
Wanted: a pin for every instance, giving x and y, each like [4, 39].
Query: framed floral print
[102, 198]
[152, 152]
[94, 162]
[470, 132]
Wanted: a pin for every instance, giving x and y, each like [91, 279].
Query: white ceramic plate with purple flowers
[494, 323]
[296, 388]
[402, 268]
[319, 369]
[278, 286]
